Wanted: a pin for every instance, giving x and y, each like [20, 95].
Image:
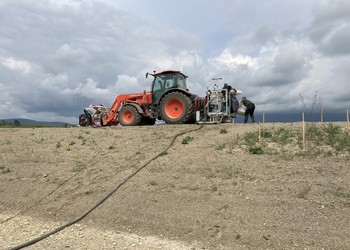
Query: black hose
[44, 236]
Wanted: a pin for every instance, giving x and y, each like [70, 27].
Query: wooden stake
[303, 129]
[263, 117]
[347, 118]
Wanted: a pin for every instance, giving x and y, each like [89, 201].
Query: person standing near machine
[226, 89]
[234, 102]
[249, 111]
[89, 113]
[226, 86]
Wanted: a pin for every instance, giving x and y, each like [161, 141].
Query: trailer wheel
[129, 116]
[176, 108]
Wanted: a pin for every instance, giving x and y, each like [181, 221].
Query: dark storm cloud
[330, 28]
[50, 50]
[56, 57]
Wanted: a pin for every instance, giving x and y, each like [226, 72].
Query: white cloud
[231, 61]
[22, 66]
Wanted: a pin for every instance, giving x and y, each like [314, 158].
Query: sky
[59, 56]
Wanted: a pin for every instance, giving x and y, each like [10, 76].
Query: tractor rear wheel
[175, 108]
[129, 116]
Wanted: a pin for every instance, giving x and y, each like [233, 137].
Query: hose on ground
[44, 236]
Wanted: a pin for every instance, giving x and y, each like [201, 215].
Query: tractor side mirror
[146, 75]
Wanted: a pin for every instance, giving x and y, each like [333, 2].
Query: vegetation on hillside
[321, 140]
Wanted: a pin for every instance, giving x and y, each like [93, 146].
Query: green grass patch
[187, 139]
[5, 170]
[223, 131]
[163, 153]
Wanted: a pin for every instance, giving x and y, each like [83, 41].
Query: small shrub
[163, 153]
[266, 134]
[4, 170]
[111, 147]
[251, 138]
[267, 237]
[256, 150]
[187, 139]
[79, 166]
[153, 183]
[223, 131]
[221, 146]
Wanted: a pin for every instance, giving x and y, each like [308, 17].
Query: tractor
[170, 101]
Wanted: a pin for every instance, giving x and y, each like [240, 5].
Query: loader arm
[139, 100]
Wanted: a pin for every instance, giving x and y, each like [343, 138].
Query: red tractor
[169, 100]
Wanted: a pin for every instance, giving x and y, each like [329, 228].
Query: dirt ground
[210, 193]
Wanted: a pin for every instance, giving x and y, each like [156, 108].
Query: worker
[90, 112]
[249, 111]
[226, 89]
[234, 102]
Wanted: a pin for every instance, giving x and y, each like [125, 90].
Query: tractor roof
[170, 72]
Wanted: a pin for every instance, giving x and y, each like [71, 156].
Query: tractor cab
[171, 100]
[166, 81]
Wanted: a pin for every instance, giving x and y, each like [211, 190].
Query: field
[215, 187]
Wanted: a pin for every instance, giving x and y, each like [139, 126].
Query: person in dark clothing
[249, 111]
[226, 89]
[234, 102]
[226, 86]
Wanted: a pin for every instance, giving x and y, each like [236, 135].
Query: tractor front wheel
[175, 108]
[129, 116]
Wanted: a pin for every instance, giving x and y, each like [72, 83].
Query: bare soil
[210, 193]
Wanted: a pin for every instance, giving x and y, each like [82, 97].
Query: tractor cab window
[158, 88]
[181, 82]
[169, 83]
[158, 83]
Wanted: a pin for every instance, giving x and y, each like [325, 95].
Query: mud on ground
[210, 193]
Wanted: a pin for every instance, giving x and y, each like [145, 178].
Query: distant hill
[28, 122]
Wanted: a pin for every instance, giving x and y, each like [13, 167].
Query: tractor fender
[139, 109]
